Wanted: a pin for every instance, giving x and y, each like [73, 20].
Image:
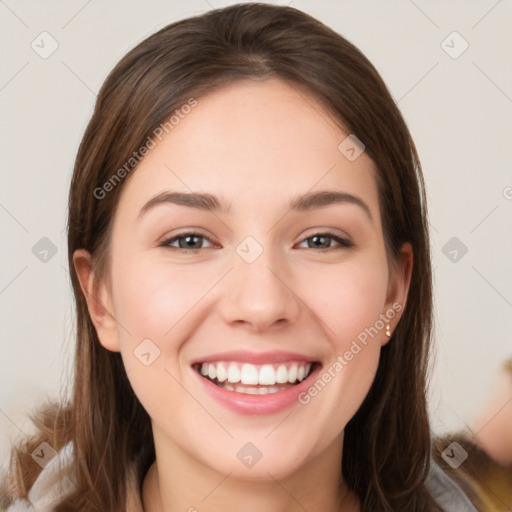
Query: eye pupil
[188, 242]
[317, 237]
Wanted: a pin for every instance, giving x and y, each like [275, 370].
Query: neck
[177, 482]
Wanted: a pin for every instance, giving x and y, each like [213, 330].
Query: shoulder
[50, 487]
[447, 492]
[457, 460]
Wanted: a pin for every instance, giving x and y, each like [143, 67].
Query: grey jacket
[446, 492]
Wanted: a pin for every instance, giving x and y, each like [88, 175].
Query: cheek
[348, 298]
[349, 311]
[160, 304]
[152, 301]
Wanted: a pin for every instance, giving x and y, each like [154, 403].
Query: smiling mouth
[255, 379]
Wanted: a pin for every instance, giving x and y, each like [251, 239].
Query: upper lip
[243, 356]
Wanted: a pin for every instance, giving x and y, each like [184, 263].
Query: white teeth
[233, 374]
[282, 374]
[267, 375]
[248, 390]
[292, 373]
[249, 374]
[222, 374]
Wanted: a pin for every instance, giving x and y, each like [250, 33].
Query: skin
[257, 144]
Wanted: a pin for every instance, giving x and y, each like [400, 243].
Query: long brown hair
[387, 443]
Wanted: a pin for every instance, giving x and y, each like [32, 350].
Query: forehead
[256, 143]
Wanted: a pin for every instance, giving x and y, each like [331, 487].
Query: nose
[260, 295]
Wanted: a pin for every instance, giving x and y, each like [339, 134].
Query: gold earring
[388, 330]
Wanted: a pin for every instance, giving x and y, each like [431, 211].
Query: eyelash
[343, 243]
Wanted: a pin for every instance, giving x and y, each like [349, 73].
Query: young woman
[248, 248]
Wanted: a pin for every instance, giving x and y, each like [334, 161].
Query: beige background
[459, 111]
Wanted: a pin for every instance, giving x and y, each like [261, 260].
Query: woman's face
[263, 280]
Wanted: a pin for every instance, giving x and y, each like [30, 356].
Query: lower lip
[270, 403]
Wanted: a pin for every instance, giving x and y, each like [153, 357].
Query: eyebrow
[209, 202]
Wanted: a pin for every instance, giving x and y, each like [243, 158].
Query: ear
[99, 301]
[398, 287]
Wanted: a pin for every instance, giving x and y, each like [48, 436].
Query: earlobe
[99, 302]
[398, 288]
[405, 272]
